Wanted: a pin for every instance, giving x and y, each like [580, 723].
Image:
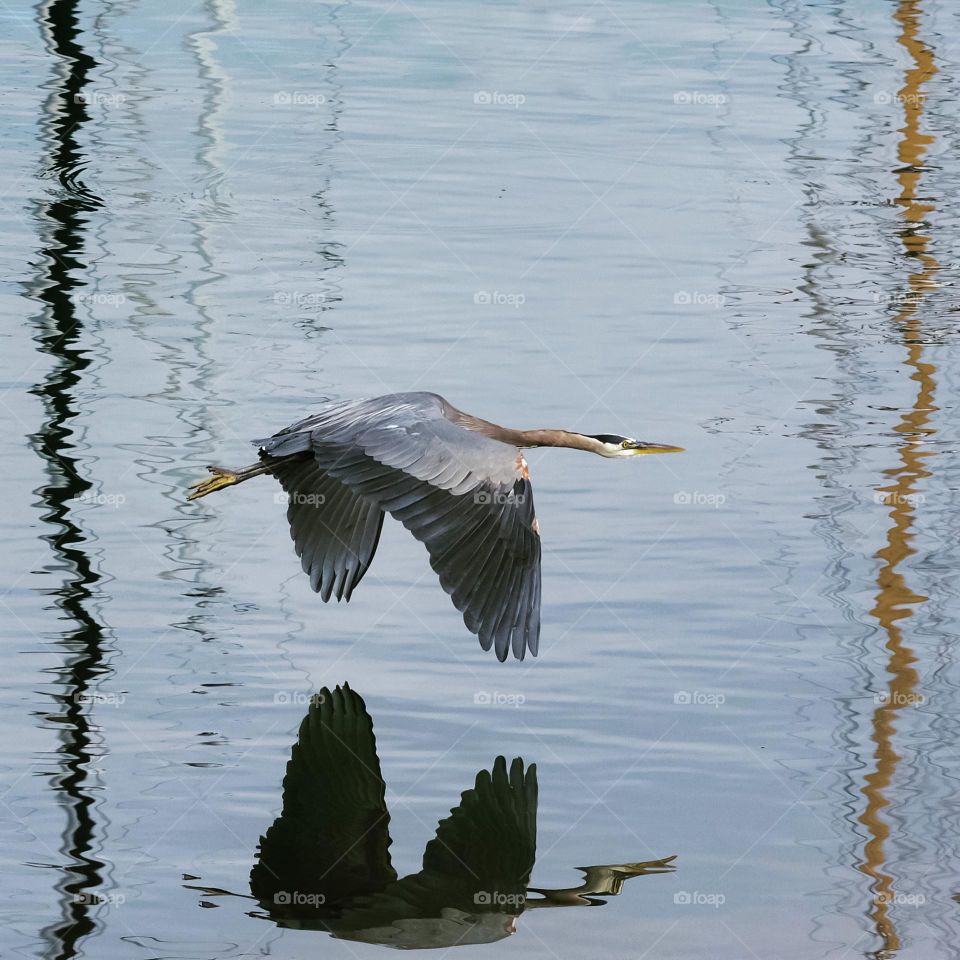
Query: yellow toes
[221, 478]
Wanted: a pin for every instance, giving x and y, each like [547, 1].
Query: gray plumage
[459, 484]
[462, 494]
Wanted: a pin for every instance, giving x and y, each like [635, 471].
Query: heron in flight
[325, 863]
[459, 484]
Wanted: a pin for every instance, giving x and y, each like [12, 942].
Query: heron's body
[459, 484]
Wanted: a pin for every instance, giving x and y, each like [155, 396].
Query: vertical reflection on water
[63, 223]
[821, 153]
[195, 370]
[895, 598]
[828, 85]
[191, 365]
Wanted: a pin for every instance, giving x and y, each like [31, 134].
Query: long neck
[538, 438]
[554, 438]
[524, 438]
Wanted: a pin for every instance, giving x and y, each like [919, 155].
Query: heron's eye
[625, 445]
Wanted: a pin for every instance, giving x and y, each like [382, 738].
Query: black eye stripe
[608, 438]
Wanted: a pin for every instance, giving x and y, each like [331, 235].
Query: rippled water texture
[727, 226]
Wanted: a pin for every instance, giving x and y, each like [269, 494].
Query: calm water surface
[729, 226]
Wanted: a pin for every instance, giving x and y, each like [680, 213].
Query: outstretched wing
[490, 839]
[478, 864]
[461, 493]
[335, 532]
[331, 841]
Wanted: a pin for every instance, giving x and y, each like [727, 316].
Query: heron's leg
[222, 477]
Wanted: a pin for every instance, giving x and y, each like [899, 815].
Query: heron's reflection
[324, 864]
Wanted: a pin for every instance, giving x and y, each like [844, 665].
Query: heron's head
[612, 445]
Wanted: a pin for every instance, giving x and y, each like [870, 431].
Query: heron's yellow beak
[645, 446]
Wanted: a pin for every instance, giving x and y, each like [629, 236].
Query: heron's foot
[221, 478]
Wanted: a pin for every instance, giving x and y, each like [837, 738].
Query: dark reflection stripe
[895, 598]
[62, 223]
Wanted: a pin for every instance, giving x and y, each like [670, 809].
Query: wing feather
[332, 836]
[335, 532]
[458, 491]
[486, 845]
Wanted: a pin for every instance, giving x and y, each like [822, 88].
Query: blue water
[724, 226]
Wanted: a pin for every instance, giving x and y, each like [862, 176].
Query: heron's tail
[222, 477]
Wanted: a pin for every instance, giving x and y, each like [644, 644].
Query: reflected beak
[646, 446]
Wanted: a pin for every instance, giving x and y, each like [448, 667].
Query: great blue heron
[459, 484]
[325, 864]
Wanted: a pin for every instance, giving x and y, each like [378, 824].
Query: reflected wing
[334, 531]
[478, 863]
[492, 835]
[331, 840]
[462, 494]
